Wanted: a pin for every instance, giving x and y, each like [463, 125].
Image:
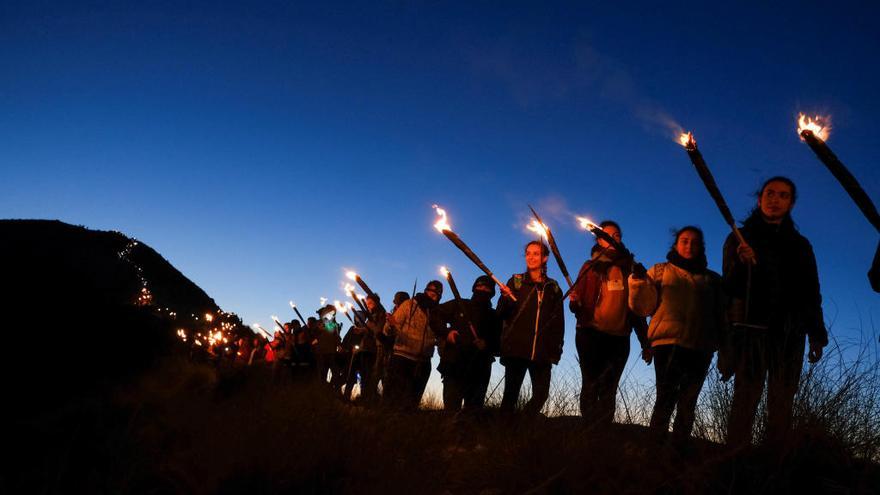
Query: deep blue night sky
[263, 148]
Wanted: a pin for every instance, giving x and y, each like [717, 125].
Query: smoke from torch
[814, 131]
[442, 226]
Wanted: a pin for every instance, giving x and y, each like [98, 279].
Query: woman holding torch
[686, 304]
[533, 330]
[604, 325]
[784, 307]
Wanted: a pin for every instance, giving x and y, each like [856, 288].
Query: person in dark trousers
[375, 324]
[686, 304]
[410, 365]
[775, 303]
[355, 351]
[325, 343]
[533, 330]
[599, 301]
[469, 333]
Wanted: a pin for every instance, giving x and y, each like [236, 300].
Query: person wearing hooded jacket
[533, 330]
[410, 365]
[599, 301]
[686, 304]
[775, 305]
[469, 333]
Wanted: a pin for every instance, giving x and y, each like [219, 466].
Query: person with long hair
[604, 325]
[775, 303]
[686, 304]
[533, 330]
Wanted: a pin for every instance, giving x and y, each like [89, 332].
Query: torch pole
[712, 187]
[843, 175]
[553, 247]
[460, 304]
[360, 281]
[298, 314]
[453, 237]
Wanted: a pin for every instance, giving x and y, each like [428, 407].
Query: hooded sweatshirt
[534, 325]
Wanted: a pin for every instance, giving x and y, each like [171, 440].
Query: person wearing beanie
[469, 333]
[410, 365]
[533, 330]
[325, 343]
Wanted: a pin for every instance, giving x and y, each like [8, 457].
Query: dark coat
[785, 282]
[486, 324]
[532, 331]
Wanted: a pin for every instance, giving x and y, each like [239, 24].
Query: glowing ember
[586, 223]
[538, 228]
[819, 126]
[442, 223]
[687, 140]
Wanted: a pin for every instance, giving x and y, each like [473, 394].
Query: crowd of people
[760, 315]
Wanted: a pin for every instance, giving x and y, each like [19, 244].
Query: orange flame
[819, 126]
[442, 223]
[351, 274]
[444, 272]
[687, 140]
[209, 317]
[339, 306]
[539, 228]
[587, 224]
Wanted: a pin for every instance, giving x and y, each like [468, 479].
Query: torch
[442, 226]
[340, 308]
[357, 279]
[298, 315]
[349, 291]
[690, 145]
[259, 329]
[278, 324]
[815, 133]
[539, 227]
[461, 310]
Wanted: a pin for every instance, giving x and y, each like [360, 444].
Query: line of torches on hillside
[813, 131]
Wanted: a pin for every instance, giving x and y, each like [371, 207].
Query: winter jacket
[413, 336]
[686, 309]
[534, 325]
[327, 336]
[602, 297]
[784, 282]
[485, 322]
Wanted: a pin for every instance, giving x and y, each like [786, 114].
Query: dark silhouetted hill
[69, 310]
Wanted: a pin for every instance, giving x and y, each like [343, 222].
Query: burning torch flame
[292, 306]
[351, 275]
[442, 223]
[687, 140]
[349, 290]
[538, 228]
[819, 126]
[348, 305]
[323, 301]
[587, 224]
[339, 306]
[361, 297]
[444, 272]
[209, 317]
